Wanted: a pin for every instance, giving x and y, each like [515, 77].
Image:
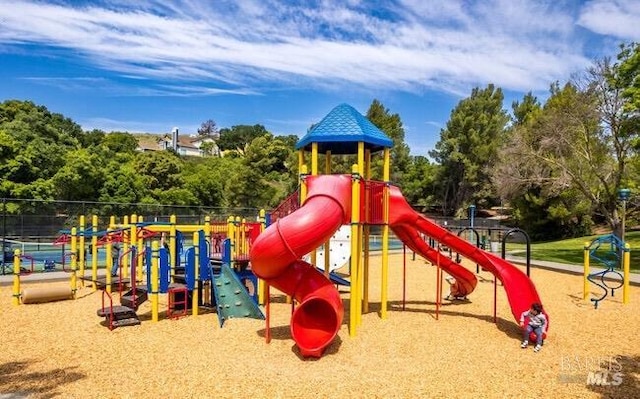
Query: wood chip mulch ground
[61, 349]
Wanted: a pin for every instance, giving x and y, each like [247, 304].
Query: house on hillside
[186, 145]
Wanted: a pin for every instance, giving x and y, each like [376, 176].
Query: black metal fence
[37, 220]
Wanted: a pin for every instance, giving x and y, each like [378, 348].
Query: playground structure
[210, 272]
[612, 253]
[327, 202]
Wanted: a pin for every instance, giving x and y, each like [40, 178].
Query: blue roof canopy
[341, 130]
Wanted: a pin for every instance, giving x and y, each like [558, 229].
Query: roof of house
[341, 131]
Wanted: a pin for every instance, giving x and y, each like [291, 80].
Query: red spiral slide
[275, 258]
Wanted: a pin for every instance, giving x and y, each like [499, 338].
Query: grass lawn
[572, 250]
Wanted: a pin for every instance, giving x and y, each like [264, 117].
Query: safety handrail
[104, 292]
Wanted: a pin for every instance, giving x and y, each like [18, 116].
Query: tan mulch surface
[61, 350]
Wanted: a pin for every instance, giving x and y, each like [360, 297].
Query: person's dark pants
[114, 268]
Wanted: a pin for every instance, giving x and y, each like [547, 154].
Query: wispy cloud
[249, 46]
[114, 88]
[131, 126]
[617, 18]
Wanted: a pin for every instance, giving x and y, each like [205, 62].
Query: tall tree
[34, 148]
[238, 137]
[121, 142]
[559, 158]
[208, 128]
[391, 124]
[467, 150]
[419, 183]
[581, 143]
[627, 77]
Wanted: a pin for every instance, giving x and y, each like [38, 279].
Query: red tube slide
[466, 280]
[276, 258]
[406, 223]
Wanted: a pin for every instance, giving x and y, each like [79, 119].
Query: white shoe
[524, 344]
[537, 348]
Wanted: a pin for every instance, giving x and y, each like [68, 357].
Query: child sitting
[454, 290]
[537, 323]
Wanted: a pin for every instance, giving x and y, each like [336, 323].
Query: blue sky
[147, 65]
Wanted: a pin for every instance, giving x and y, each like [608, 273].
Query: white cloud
[617, 18]
[248, 46]
[111, 125]
[112, 88]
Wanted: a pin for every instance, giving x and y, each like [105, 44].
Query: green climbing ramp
[232, 298]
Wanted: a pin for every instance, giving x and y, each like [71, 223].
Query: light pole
[472, 211]
[623, 195]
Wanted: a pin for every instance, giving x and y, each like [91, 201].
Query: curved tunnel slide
[466, 280]
[407, 223]
[275, 257]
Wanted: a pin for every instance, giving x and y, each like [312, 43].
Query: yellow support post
[173, 246]
[262, 289]
[207, 232]
[237, 242]
[155, 277]
[359, 242]
[301, 161]
[81, 249]
[243, 237]
[196, 274]
[94, 251]
[365, 234]
[385, 236]
[355, 256]
[303, 184]
[314, 172]
[585, 283]
[140, 245]
[74, 262]
[231, 231]
[625, 268]
[314, 159]
[16, 277]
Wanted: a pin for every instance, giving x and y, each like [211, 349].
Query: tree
[207, 178]
[80, 178]
[578, 148]
[121, 142]
[391, 124]
[560, 156]
[161, 172]
[208, 128]
[209, 148]
[93, 138]
[419, 183]
[122, 184]
[627, 77]
[467, 150]
[33, 148]
[238, 137]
